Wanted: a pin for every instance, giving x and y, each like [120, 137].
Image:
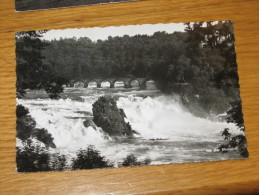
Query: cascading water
[167, 132]
[164, 117]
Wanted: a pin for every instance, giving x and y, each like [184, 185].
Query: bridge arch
[134, 83]
[79, 84]
[103, 84]
[150, 84]
[118, 83]
[71, 83]
[91, 84]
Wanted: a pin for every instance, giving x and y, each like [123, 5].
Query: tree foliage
[235, 141]
[132, 160]
[235, 115]
[32, 158]
[26, 128]
[32, 72]
[59, 163]
[212, 54]
[90, 158]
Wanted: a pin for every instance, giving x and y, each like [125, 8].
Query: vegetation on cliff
[26, 128]
[237, 142]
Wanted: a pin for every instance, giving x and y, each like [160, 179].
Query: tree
[32, 73]
[220, 36]
[237, 141]
[235, 115]
[213, 64]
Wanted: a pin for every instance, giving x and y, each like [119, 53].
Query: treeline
[203, 58]
[116, 56]
[199, 64]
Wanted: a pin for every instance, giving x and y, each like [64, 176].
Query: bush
[90, 158]
[237, 142]
[226, 134]
[55, 86]
[131, 160]
[21, 111]
[59, 163]
[32, 158]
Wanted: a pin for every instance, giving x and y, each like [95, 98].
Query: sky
[103, 33]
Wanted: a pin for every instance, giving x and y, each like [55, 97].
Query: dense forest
[202, 59]
[115, 57]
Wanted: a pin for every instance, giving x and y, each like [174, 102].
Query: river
[168, 133]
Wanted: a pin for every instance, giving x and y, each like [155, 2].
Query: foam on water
[64, 120]
[157, 117]
[154, 117]
[164, 117]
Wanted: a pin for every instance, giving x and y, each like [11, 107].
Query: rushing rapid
[167, 132]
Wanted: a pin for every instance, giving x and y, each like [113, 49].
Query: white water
[156, 117]
[164, 117]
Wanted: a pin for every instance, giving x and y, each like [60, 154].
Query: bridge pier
[142, 86]
[143, 83]
[127, 85]
[112, 85]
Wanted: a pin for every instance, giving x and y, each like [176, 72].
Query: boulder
[110, 118]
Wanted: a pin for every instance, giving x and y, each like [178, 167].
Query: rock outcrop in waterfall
[110, 118]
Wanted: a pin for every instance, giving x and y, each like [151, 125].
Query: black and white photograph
[120, 96]
[29, 5]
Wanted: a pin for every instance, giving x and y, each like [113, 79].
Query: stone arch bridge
[127, 82]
